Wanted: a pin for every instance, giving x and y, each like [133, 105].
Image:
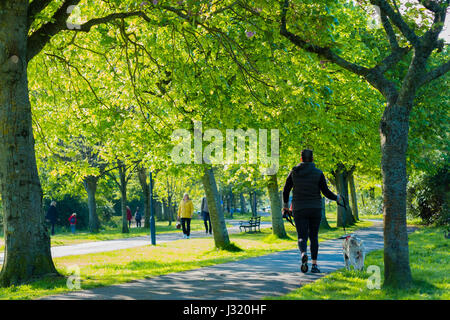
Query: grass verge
[429, 257]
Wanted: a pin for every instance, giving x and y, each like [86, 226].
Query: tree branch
[392, 59]
[435, 73]
[42, 36]
[430, 38]
[324, 52]
[38, 39]
[390, 33]
[433, 6]
[397, 20]
[36, 7]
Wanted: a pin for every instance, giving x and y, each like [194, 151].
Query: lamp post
[152, 212]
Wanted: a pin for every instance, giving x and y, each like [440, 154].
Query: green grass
[411, 221]
[114, 267]
[429, 258]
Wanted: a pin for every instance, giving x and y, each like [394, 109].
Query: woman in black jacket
[307, 183]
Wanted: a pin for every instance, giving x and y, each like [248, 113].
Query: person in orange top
[185, 210]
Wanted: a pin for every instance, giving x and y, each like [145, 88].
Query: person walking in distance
[205, 215]
[307, 182]
[185, 210]
[73, 222]
[138, 217]
[129, 216]
[51, 216]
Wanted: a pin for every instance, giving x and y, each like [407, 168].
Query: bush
[371, 206]
[106, 215]
[428, 197]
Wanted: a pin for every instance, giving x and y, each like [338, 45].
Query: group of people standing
[185, 211]
[137, 217]
[52, 215]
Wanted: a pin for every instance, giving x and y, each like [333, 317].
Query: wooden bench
[253, 223]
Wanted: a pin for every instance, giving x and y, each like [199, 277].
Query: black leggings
[206, 219]
[186, 225]
[307, 223]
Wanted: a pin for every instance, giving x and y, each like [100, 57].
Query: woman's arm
[287, 189]
[324, 188]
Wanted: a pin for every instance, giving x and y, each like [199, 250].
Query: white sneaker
[188, 237]
[184, 236]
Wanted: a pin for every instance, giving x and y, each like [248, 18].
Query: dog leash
[288, 216]
[345, 213]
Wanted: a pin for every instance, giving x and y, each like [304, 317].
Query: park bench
[251, 224]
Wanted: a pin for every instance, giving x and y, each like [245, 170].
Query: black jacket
[306, 182]
[52, 214]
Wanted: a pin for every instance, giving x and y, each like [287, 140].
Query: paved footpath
[253, 278]
[127, 243]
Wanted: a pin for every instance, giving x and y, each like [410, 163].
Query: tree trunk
[233, 203]
[27, 241]
[349, 212]
[90, 185]
[219, 228]
[344, 217]
[158, 211]
[362, 198]
[353, 197]
[394, 142]
[142, 175]
[170, 210]
[372, 193]
[123, 200]
[324, 222]
[253, 203]
[275, 208]
[165, 210]
[242, 201]
[339, 180]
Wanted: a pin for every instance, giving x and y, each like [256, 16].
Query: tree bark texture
[394, 128]
[90, 185]
[27, 241]
[219, 228]
[275, 207]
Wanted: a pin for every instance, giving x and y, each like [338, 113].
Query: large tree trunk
[90, 185]
[219, 228]
[394, 141]
[275, 207]
[344, 217]
[27, 241]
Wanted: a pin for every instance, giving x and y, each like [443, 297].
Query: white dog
[354, 252]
